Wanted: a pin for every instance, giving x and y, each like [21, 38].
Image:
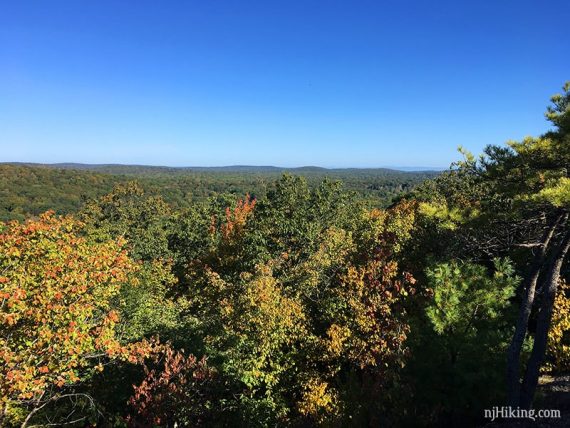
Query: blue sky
[289, 83]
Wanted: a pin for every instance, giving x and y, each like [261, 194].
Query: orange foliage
[237, 218]
[56, 321]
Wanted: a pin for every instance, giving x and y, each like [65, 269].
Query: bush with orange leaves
[57, 323]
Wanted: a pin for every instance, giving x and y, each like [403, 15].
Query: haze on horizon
[331, 84]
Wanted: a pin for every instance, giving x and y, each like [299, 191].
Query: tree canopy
[290, 301]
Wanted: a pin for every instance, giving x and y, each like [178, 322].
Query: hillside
[29, 189]
[120, 169]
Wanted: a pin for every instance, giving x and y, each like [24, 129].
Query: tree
[128, 211]
[58, 326]
[457, 347]
[511, 199]
[539, 167]
[143, 220]
[299, 304]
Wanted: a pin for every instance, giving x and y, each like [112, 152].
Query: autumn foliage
[289, 331]
[559, 334]
[235, 219]
[57, 322]
[303, 306]
[173, 389]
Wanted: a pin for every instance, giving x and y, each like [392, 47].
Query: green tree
[143, 221]
[458, 343]
[510, 199]
[299, 301]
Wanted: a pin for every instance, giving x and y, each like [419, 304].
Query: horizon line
[397, 168]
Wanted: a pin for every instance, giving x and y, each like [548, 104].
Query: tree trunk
[529, 290]
[543, 323]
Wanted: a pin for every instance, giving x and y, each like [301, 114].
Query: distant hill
[121, 169]
[28, 189]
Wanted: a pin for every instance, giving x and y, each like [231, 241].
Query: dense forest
[249, 299]
[30, 189]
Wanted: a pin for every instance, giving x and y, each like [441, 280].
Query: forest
[149, 298]
[30, 189]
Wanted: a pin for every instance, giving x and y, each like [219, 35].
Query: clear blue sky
[289, 83]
